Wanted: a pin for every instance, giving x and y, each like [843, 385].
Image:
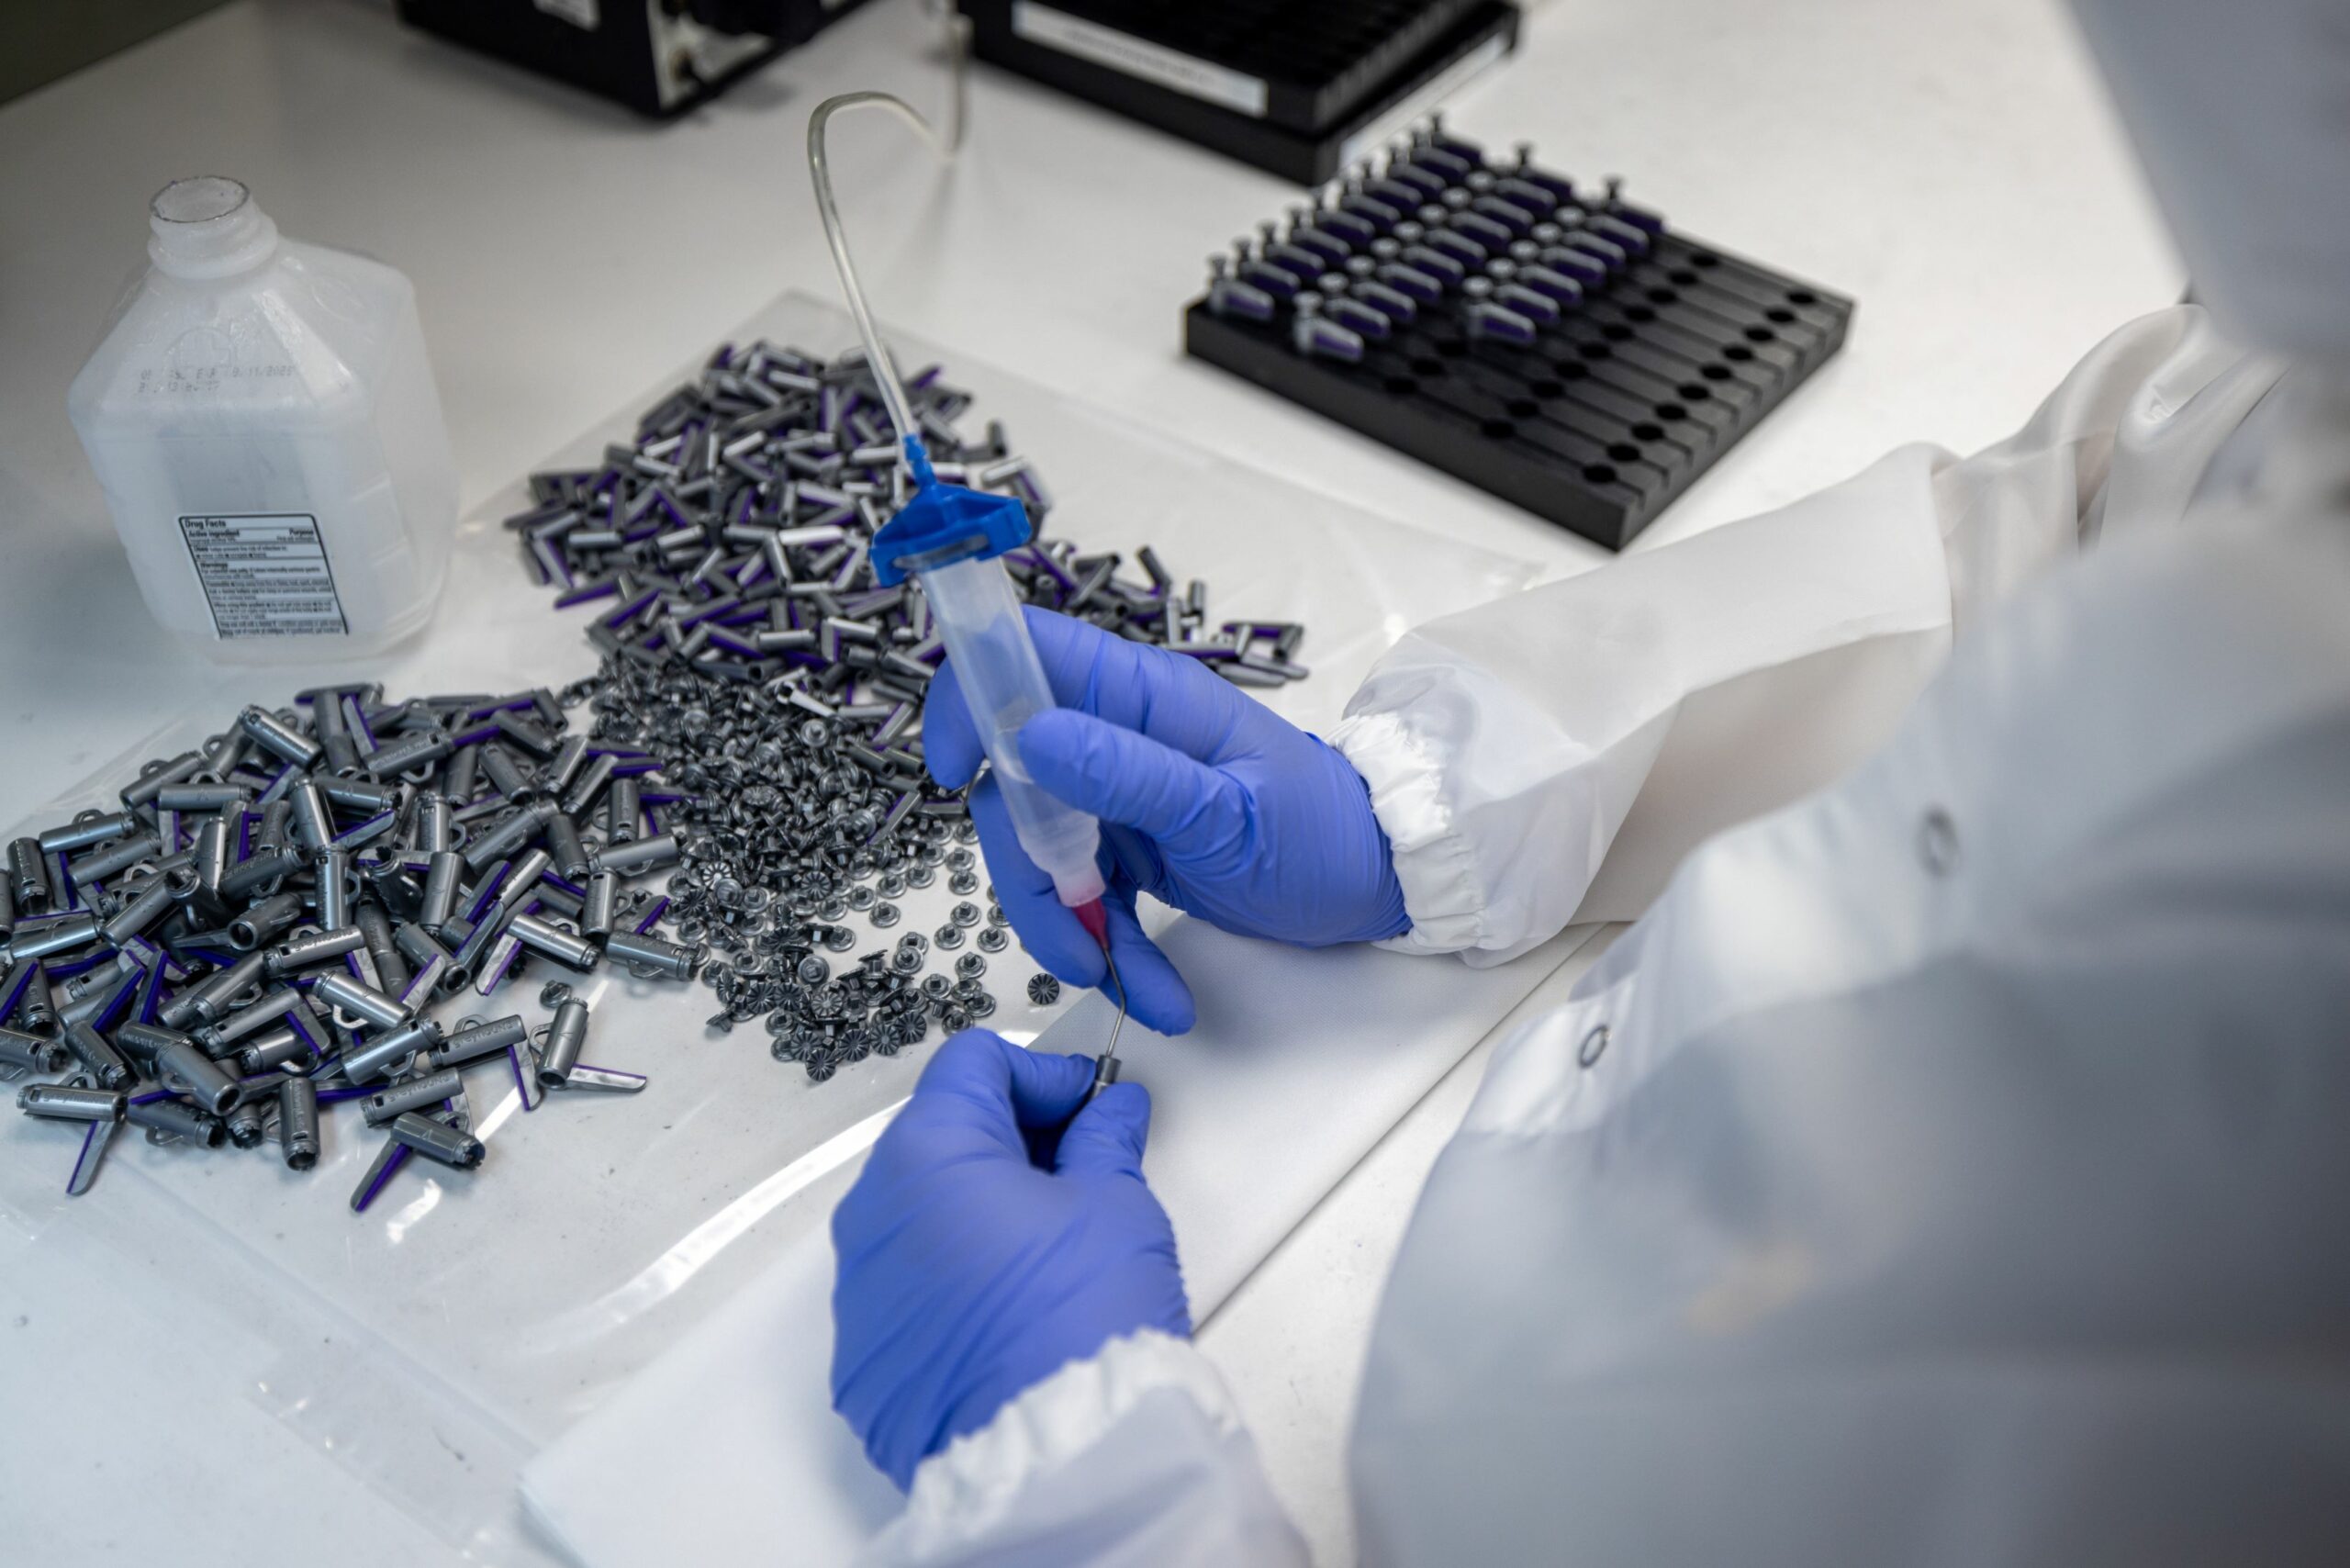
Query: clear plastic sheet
[430, 1345]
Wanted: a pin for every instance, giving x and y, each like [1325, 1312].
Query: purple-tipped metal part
[367, 1194]
[587, 593]
[653, 917]
[94, 1143]
[526, 1078]
[502, 954]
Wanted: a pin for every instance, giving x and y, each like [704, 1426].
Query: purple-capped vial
[1408, 279]
[1498, 322]
[1529, 304]
[1358, 317]
[1550, 281]
[1313, 335]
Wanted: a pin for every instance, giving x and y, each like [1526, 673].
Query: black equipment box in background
[1298, 87]
[1635, 356]
[659, 57]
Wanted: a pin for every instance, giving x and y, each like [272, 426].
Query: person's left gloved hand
[986, 1245]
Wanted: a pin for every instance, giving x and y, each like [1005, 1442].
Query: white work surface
[1948, 163]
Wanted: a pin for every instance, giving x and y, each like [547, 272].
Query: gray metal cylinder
[410, 752]
[278, 1047]
[596, 909]
[27, 876]
[307, 952]
[202, 797]
[32, 1053]
[261, 922]
[266, 1010]
[435, 1140]
[506, 774]
[363, 796]
[346, 994]
[436, 827]
[57, 1102]
[177, 1118]
[565, 1036]
[59, 936]
[590, 785]
[563, 770]
[100, 864]
[667, 958]
[481, 1040]
[255, 874]
[98, 1057]
[639, 855]
[566, 849]
[443, 877]
[156, 898]
[564, 948]
[181, 1067]
[334, 888]
[313, 822]
[211, 1001]
[277, 737]
[624, 810]
[391, 969]
[388, 1105]
[90, 827]
[154, 782]
[139, 1043]
[247, 1125]
[510, 835]
[298, 1122]
[389, 1049]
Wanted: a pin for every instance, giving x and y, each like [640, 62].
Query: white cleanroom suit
[1952, 1165]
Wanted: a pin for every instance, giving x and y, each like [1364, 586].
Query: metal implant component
[55, 1102]
[564, 948]
[362, 1002]
[416, 1095]
[438, 1141]
[97, 1057]
[481, 1040]
[170, 1121]
[651, 955]
[1043, 989]
[565, 1036]
[31, 1053]
[298, 1122]
[391, 1051]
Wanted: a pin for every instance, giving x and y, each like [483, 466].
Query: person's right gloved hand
[1208, 801]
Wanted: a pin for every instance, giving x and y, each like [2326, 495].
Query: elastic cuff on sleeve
[963, 1489]
[1433, 865]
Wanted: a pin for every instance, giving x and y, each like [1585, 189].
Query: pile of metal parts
[748, 650]
[276, 922]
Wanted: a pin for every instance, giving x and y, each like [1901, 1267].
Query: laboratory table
[1951, 164]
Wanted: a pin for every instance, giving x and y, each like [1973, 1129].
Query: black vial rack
[1559, 347]
[1293, 87]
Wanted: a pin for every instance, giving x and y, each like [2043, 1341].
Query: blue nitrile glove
[1209, 801]
[986, 1245]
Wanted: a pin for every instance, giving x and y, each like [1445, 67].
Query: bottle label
[265, 576]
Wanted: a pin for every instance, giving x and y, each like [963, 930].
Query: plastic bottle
[263, 423]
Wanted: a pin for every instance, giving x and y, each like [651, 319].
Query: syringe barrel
[1003, 683]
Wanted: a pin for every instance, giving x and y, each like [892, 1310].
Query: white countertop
[1949, 163]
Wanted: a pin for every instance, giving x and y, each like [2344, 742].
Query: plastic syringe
[949, 539]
